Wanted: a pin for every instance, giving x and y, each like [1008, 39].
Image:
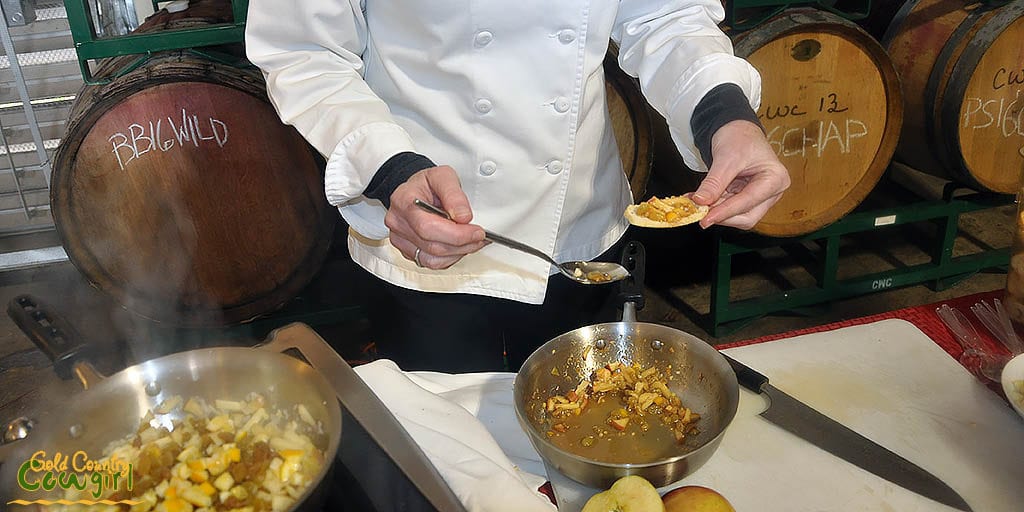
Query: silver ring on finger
[416, 258]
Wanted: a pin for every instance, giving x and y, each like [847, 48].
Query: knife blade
[827, 434]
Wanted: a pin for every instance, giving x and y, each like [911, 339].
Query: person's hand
[745, 178]
[440, 242]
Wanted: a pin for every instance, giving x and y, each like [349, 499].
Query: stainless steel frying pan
[706, 383]
[110, 407]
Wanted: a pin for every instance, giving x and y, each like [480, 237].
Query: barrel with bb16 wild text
[178, 191]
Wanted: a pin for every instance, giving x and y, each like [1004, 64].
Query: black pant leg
[434, 331]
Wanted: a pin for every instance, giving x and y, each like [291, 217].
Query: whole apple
[694, 498]
[628, 494]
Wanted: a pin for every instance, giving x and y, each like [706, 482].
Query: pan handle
[56, 337]
[631, 289]
[367, 409]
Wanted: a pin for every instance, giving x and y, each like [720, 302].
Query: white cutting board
[890, 382]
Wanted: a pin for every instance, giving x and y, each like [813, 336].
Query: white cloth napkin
[467, 427]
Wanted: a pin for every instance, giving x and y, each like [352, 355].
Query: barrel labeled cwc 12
[832, 108]
[962, 69]
[178, 190]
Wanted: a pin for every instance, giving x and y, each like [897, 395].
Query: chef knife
[829, 435]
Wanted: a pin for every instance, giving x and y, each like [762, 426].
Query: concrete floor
[679, 265]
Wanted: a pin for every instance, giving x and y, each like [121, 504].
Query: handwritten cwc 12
[158, 135]
[839, 130]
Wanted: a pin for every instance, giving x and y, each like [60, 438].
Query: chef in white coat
[496, 112]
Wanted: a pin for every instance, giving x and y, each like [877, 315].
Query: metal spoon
[585, 272]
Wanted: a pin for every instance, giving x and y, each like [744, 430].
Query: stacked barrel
[933, 84]
[962, 68]
[631, 123]
[178, 190]
[832, 108]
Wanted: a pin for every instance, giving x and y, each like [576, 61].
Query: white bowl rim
[1013, 371]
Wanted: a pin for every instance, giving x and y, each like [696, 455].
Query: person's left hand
[745, 179]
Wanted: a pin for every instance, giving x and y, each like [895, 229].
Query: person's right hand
[441, 242]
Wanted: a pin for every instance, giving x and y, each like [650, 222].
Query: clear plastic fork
[995, 319]
[974, 356]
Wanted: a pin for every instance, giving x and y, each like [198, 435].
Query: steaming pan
[110, 407]
[705, 382]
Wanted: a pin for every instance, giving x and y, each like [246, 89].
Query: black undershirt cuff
[721, 105]
[397, 170]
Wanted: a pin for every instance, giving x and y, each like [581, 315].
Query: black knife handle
[747, 376]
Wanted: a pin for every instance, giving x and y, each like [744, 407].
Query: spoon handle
[431, 209]
[519, 246]
[494, 237]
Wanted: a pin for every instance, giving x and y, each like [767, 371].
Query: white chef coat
[510, 94]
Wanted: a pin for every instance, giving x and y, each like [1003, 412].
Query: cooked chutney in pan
[619, 414]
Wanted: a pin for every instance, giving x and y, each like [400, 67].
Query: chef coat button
[483, 38]
[566, 36]
[562, 105]
[483, 105]
[554, 167]
[488, 167]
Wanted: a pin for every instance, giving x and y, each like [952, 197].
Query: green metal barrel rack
[90, 47]
[744, 14]
[823, 259]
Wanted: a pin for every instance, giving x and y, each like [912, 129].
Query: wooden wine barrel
[962, 69]
[178, 190]
[881, 14]
[631, 123]
[832, 108]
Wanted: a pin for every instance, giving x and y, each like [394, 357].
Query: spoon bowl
[593, 272]
[583, 272]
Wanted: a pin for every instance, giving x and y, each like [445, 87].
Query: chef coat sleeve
[309, 52]
[679, 54]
